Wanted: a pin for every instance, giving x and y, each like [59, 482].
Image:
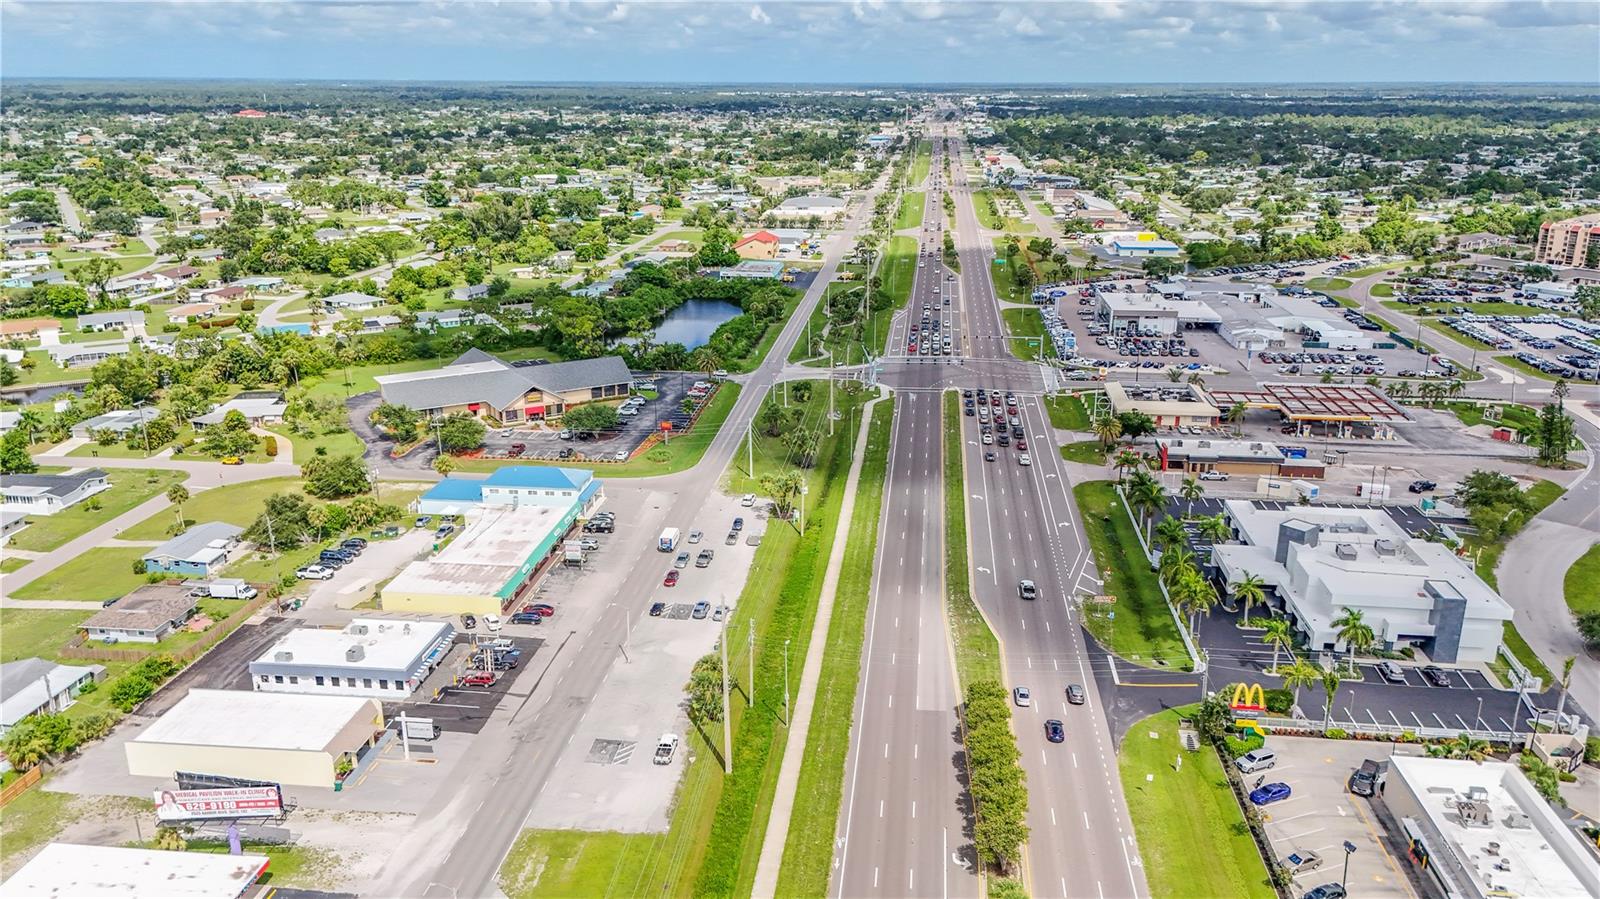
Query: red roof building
[760, 245]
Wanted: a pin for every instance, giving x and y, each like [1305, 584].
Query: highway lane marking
[1052, 816]
[1074, 760]
[1086, 821]
[880, 808]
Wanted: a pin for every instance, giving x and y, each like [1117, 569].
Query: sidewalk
[50, 561]
[794, 749]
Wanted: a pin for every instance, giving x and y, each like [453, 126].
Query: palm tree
[1566, 681]
[1455, 388]
[1278, 634]
[1108, 429]
[1127, 460]
[1199, 598]
[1215, 528]
[1300, 674]
[1174, 374]
[1462, 747]
[1400, 390]
[705, 359]
[1170, 533]
[1235, 417]
[1354, 632]
[1149, 498]
[1175, 563]
[1198, 380]
[1249, 591]
[178, 494]
[1191, 490]
[1330, 686]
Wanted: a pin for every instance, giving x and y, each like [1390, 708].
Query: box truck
[668, 541]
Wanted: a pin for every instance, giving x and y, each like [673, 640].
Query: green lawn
[921, 159]
[1191, 831]
[1029, 339]
[39, 816]
[122, 450]
[1518, 418]
[347, 382]
[1329, 283]
[910, 214]
[340, 441]
[100, 573]
[898, 269]
[977, 650]
[12, 563]
[290, 865]
[237, 504]
[563, 863]
[129, 488]
[1582, 585]
[1089, 452]
[808, 849]
[1141, 629]
[1383, 290]
[46, 371]
[689, 234]
[37, 632]
[1067, 413]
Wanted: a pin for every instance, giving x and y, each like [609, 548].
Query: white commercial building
[1480, 830]
[381, 658]
[1150, 312]
[113, 872]
[1320, 561]
[271, 737]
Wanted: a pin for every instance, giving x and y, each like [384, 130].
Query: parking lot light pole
[1349, 850]
[1478, 719]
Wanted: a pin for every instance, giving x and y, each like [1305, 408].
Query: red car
[671, 580]
[478, 679]
[1022, 444]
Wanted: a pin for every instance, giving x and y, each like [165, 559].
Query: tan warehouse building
[274, 737]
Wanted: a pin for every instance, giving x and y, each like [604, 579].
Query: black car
[1422, 486]
[1436, 676]
[1054, 731]
[1366, 780]
[657, 609]
[355, 544]
[469, 622]
[526, 618]
[1326, 891]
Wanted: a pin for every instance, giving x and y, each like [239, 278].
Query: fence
[1392, 731]
[20, 785]
[75, 648]
[1526, 681]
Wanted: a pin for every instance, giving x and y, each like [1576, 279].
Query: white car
[1213, 476]
[492, 622]
[314, 573]
[1024, 460]
[748, 500]
[1022, 696]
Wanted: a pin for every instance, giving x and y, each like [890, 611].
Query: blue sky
[1071, 41]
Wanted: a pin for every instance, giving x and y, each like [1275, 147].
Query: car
[478, 679]
[1213, 476]
[1256, 760]
[526, 617]
[704, 559]
[666, 748]
[314, 573]
[589, 544]
[988, 440]
[444, 530]
[517, 449]
[694, 536]
[354, 544]
[1325, 891]
[492, 622]
[1436, 676]
[566, 434]
[1270, 793]
[1022, 696]
[738, 524]
[1422, 486]
[1075, 694]
[718, 612]
[566, 453]
[701, 609]
[232, 460]
[988, 455]
[424, 520]
[748, 500]
[1054, 731]
[1302, 860]
[1022, 444]
[1024, 460]
[1391, 672]
[682, 561]
[469, 621]
[671, 580]
[1027, 589]
[732, 539]
[1368, 779]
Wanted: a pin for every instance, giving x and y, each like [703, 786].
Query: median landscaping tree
[784, 488]
[705, 690]
[461, 433]
[998, 785]
[592, 417]
[400, 421]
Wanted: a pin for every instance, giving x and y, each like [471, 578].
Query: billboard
[231, 802]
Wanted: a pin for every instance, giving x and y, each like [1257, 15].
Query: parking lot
[541, 442]
[1321, 815]
[605, 779]
[460, 708]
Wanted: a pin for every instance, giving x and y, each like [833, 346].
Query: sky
[798, 41]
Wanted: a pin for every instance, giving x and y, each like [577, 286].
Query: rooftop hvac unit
[1205, 444]
[355, 653]
[1385, 546]
[1345, 551]
[1518, 821]
[359, 630]
[283, 656]
[1255, 447]
[406, 629]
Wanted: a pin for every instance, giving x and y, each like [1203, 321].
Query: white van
[666, 748]
[1256, 760]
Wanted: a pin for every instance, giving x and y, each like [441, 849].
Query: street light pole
[786, 683]
[727, 723]
[1349, 850]
[750, 645]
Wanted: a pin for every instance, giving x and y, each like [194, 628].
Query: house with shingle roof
[481, 384]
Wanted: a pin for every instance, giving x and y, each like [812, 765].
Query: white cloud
[757, 14]
[1027, 26]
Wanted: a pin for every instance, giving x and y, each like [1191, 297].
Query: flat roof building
[515, 485]
[380, 658]
[487, 568]
[1121, 310]
[1193, 455]
[273, 737]
[1480, 830]
[1144, 244]
[114, 872]
[1176, 405]
[1319, 561]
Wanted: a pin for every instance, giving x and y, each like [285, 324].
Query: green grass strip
[976, 648]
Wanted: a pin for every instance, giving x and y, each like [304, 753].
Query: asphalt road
[904, 828]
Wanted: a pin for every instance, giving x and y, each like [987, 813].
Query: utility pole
[727, 721]
[144, 427]
[1205, 675]
[786, 683]
[750, 645]
[750, 447]
[830, 393]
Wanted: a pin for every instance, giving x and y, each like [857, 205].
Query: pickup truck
[666, 748]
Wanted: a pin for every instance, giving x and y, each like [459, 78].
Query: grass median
[1138, 625]
[977, 649]
[1029, 341]
[1192, 834]
[1067, 413]
[910, 214]
[808, 848]
[921, 160]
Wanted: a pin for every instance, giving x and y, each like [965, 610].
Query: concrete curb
[777, 832]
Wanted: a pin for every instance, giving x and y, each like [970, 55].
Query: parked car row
[332, 559]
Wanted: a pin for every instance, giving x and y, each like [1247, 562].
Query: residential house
[36, 686]
[329, 235]
[47, 494]
[35, 279]
[179, 273]
[117, 421]
[754, 268]
[470, 292]
[81, 355]
[1481, 240]
[147, 615]
[675, 246]
[259, 407]
[353, 301]
[200, 551]
[119, 320]
[47, 330]
[451, 318]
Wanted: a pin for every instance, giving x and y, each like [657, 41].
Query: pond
[692, 323]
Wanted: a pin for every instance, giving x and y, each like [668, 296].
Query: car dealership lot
[1320, 815]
